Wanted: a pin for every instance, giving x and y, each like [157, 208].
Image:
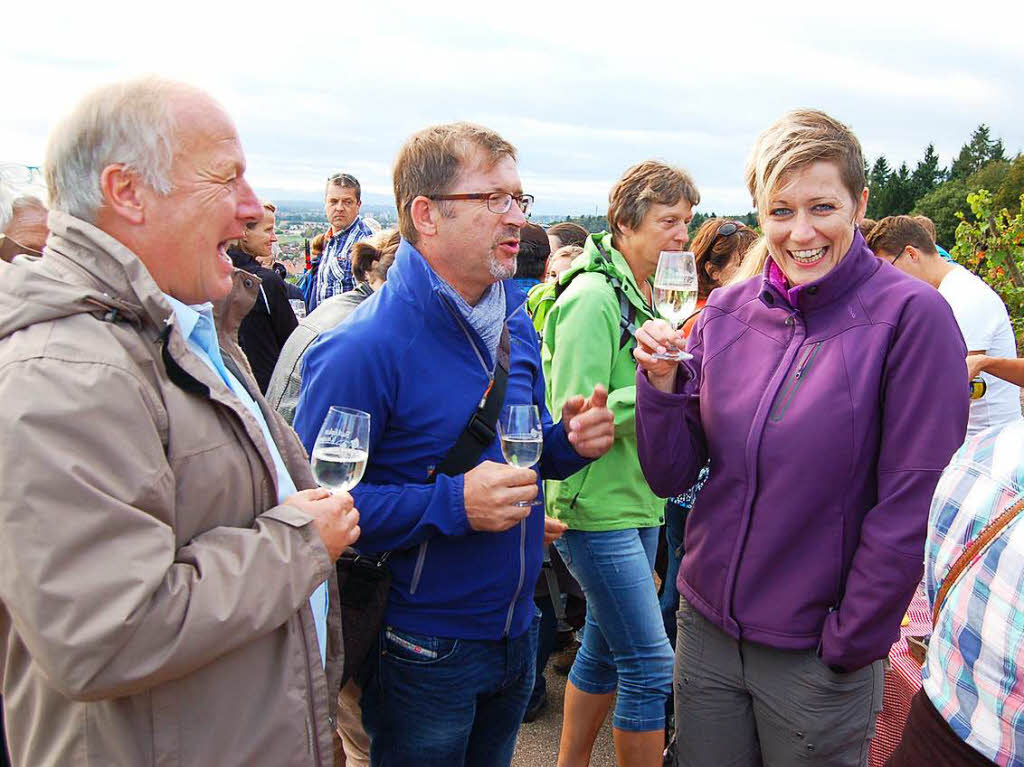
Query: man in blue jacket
[455, 666]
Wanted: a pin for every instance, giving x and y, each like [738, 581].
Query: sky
[583, 90]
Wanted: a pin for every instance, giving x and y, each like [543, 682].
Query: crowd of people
[169, 583]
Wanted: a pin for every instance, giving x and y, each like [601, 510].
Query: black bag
[364, 581]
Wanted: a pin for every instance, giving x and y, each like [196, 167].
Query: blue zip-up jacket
[407, 358]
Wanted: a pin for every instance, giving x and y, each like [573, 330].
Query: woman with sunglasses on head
[828, 394]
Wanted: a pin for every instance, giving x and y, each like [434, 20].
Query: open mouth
[808, 257]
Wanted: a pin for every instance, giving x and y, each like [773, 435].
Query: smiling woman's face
[810, 222]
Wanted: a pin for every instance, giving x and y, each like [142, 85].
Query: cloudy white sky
[582, 89]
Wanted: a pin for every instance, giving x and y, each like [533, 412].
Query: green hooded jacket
[580, 348]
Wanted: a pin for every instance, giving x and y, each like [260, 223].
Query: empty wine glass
[522, 439]
[341, 449]
[675, 294]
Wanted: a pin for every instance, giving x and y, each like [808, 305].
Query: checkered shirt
[974, 671]
[335, 273]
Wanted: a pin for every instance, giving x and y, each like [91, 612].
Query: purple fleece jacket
[827, 424]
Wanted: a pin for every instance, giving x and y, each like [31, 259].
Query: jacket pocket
[788, 394]
[418, 649]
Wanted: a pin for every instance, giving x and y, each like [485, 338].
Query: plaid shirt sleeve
[974, 669]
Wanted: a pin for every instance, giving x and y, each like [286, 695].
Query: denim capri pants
[624, 644]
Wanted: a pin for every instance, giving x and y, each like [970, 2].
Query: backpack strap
[969, 554]
[480, 430]
[627, 311]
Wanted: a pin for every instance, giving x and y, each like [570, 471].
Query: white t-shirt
[985, 326]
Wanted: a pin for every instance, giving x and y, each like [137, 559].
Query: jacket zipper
[522, 574]
[786, 399]
[750, 451]
[419, 567]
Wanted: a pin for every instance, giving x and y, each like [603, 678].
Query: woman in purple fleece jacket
[828, 395]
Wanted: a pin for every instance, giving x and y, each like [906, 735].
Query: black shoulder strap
[480, 430]
[627, 312]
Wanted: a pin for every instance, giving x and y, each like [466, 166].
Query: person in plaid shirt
[971, 707]
[342, 202]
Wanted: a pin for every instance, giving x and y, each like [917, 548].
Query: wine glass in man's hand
[341, 449]
[522, 439]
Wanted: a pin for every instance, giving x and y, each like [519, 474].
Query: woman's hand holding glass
[653, 340]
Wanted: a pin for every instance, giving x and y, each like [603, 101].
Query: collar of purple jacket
[857, 265]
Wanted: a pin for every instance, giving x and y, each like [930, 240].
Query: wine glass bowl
[522, 438]
[675, 294]
[341, 449]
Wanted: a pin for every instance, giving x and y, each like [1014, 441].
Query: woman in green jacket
[612, 515]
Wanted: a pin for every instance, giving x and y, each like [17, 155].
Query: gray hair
[130, 123]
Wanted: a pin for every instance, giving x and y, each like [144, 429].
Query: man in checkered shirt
[971, 707]
[342, 203]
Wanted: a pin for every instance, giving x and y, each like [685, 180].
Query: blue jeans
[546, 631]
[624, 643]
[675, 523]
[447, 702]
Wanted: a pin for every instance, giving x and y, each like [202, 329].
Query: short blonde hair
[796, 140]
[643, 185]
[268, 205]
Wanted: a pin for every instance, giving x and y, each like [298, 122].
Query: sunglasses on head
[728, 229]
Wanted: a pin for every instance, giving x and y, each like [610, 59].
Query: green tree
[878, 184]
[941, 206]
[927, 173]
[1012, 187]
[943, 203]
[990, 242]
[976, 153]
[900, 192]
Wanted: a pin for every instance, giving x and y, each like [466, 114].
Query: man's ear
[914, 253]
[424, 216]
[122, 193]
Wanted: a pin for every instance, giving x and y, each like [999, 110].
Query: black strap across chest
[480, 430]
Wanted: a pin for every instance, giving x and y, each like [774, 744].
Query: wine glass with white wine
[675, 294]
[341, 449]
[522, 439]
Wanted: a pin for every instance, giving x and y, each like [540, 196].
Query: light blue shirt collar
[187, 316]
[197, 326]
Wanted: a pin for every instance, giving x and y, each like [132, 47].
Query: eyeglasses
[897, 257]
[728, 229]
[497, 202]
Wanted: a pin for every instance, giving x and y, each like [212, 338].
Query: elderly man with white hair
[167, 587]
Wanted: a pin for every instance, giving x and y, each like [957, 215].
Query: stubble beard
[498, 270]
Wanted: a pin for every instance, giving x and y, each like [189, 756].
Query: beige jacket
[153, 594]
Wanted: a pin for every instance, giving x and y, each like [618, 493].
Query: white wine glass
[341, 449]
[675, 294]
[522, 439]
